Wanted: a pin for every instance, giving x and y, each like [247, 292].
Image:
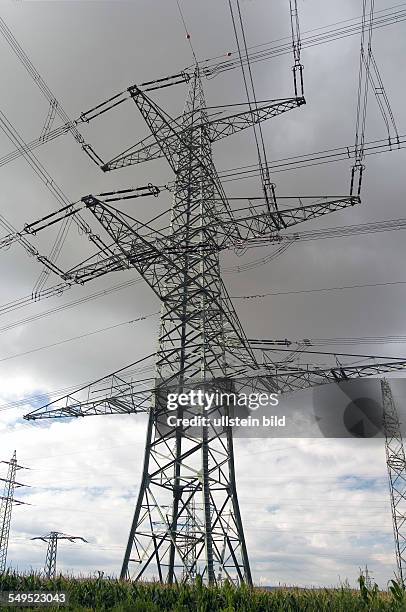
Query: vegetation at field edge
[88, 594]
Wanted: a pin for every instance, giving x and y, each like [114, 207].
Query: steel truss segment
[163, 131]
[169, 532]
[396, 465]
[296, 378]
[6, 506]
[163, 127]
[151, 249]
[113, 394]
[264, 223]
[144, 151]
[231, 124]
[51, 540]
[171, 135]
[161, 261]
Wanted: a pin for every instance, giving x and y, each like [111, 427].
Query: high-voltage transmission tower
[52, 539]
[396, 464]
[201, 340]
[7, 501]
[187, 518]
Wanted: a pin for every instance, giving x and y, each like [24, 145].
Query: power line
[57, 290]
[352, 341]
[12, 134]
[188, 36]
[284, 241]
[53, 393]
[267, 188]
[327, 289]
[79, 337]
[287, 38]
[54, 109]
[212, 67]
[309, 160]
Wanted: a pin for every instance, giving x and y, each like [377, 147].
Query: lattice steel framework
[201, 341]
[7, 501]
[396, 464]
[182, 470]
[52, 539]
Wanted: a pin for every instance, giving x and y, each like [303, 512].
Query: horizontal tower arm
[222, 127]
[258, 222]
[113, 394]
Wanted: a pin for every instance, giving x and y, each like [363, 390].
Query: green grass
[121, 596]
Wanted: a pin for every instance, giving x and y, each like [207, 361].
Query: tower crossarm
[144, 150]
[167, 131]
[13, 500]
[223, 126]
[303, 377]
[171, 136]
[256, 221]
[152, 255]
[116, 393]
[125, 400]
[122, 96]
[60, 536]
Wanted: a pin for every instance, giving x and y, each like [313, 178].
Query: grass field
[105, 594]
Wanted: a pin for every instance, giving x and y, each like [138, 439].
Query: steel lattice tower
[202, 344]
[182, 469]
[396, 464]
[191, 529]
[7, 501]
[52, 539]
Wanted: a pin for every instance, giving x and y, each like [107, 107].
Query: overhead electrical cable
[57, 193]
[322, 290]
[267, 187]
[354, 341]
[317, 158]
[283, 242]
[212, 67]
[389, 16]
[55, 106]
[188, 36]
[79, 337]
[62, 307]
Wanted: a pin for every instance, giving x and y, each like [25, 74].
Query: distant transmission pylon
[50, 559]
[7, 501]
[396, 463]
[192, 534]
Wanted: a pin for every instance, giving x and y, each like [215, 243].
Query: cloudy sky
[314, 510]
